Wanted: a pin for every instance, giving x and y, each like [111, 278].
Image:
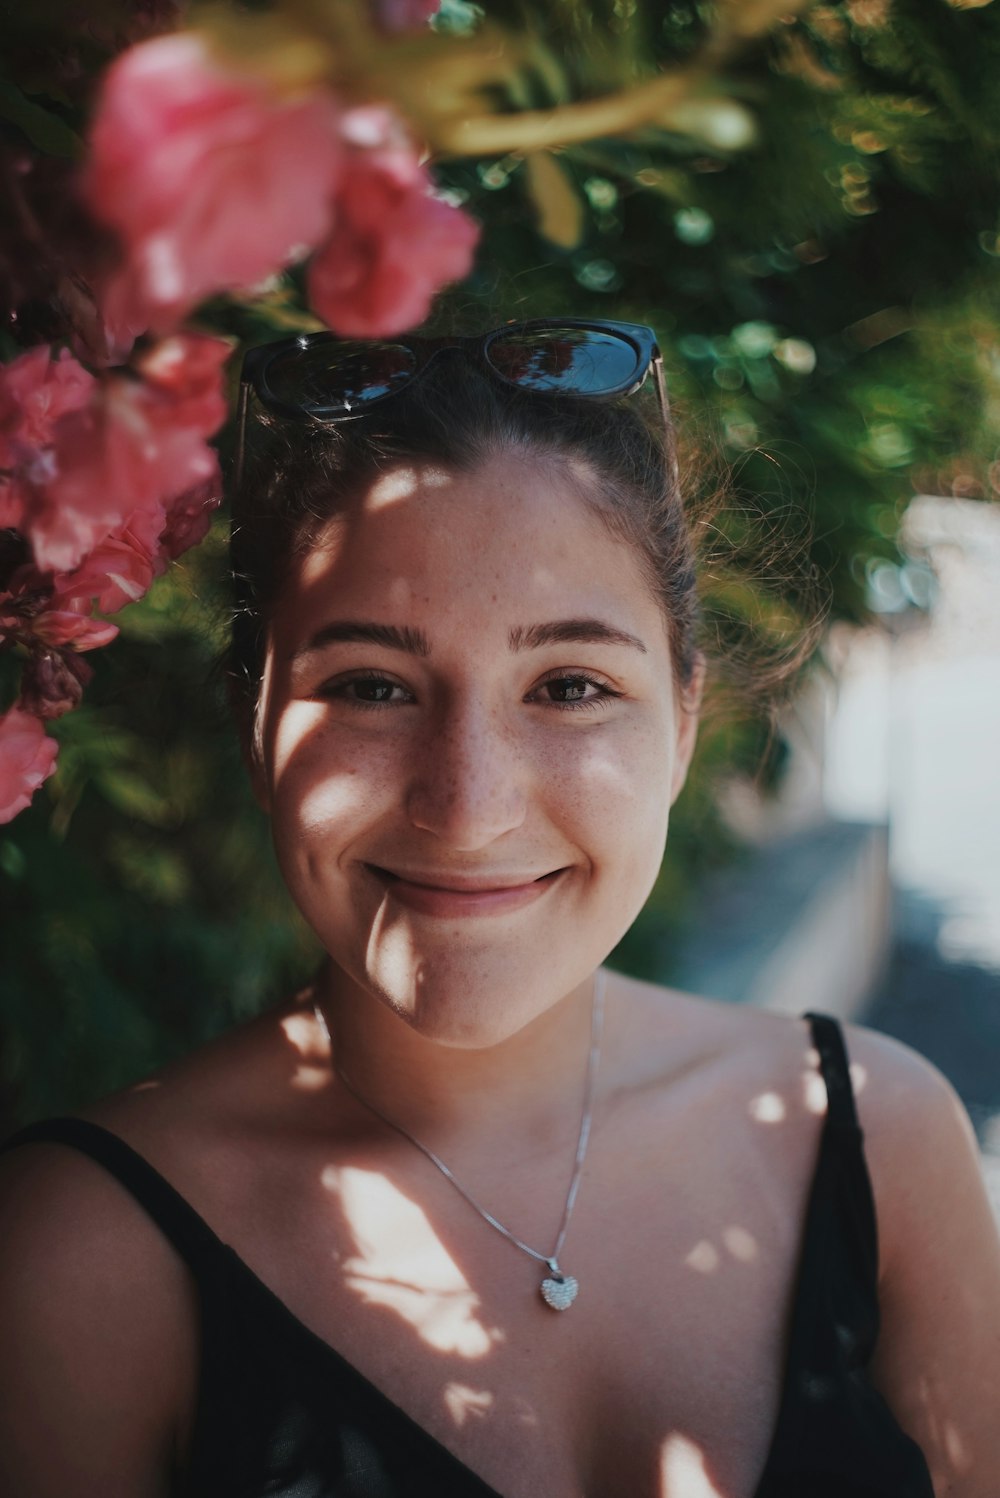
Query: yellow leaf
[559, 205]
[270, 45]
[751, 18]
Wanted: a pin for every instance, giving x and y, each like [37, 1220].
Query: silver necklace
[557, 1289]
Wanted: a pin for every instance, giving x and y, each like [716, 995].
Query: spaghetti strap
[828, 1039]
[189, 1234]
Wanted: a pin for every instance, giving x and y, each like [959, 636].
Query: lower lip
[449, 903]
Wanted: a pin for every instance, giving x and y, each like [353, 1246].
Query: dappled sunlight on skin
[741, 1245]
[768, 1108]
[400, 484]
[771, 1107]
[703, 1257]
[682, 1470]
[336, 796]
[463, 1403]
[391, 957]
[402, 1265]
[814, 1088]
[312, 1072]
[958, 1453]
[946, 1439]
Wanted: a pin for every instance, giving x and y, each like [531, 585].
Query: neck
[529, 1086]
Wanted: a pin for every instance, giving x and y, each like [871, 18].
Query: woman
[470, 1216]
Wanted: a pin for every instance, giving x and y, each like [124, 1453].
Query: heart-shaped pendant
[560, 1291]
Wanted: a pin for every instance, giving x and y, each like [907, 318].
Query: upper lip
[464, 883]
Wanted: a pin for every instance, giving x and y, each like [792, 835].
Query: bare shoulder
[919, 1144]
[99, 1332]
[896, 1088]
[732, 1046]
[100, 1312]
[241, 1080]
[766, 1066]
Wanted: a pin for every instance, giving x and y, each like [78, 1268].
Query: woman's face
[471, 740]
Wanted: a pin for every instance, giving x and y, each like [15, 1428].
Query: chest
[662, 1380]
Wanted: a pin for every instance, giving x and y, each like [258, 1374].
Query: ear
[688, 708]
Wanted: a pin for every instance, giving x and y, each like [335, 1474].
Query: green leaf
[130, 792]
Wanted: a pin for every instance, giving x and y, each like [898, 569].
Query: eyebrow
[414, 642]
[572, 632]
[350, 631]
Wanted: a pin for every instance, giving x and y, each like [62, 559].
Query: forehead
[515, 537]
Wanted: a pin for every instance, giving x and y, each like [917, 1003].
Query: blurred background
[817, 242]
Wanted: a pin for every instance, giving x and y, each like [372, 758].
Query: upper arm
[938, 1357]
[99, 1334]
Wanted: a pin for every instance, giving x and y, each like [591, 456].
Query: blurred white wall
[913, 731]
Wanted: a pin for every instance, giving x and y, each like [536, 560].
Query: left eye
[569, 688]
[575, 691]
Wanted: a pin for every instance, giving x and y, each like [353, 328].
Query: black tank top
[281, 1414]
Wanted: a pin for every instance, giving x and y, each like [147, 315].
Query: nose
[470, 784]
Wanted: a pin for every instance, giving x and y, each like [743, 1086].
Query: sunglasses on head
[320, 377]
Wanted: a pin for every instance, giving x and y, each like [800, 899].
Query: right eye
[368, 690]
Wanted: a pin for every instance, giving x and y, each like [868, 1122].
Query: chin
[457, 1023]
[468, 1005]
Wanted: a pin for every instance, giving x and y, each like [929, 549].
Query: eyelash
[605, 694]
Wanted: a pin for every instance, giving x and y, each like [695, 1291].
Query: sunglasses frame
[257, 361]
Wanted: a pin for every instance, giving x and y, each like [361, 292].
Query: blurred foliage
[813, 226]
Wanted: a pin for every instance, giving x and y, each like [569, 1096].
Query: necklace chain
[552, 1259]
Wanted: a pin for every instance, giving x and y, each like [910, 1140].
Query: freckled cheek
[323, 780]
[616, 791]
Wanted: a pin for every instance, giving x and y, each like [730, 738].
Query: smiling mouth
[463, 894]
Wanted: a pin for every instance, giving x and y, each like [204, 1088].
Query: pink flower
[404, 15]
[186, 369]
[121, 462]
[27, 758]
[212, 178]
[36, 389]
[394, 245]
[40, 611]
[62, 627]
[189, 517]
[13, 506]
[122, 315]
[118, 571]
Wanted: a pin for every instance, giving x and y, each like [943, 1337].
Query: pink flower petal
[36, 389]
[60, 627]
[27, 758]
[137, 447]
[393, 247]
[190, 515]
[212, 179]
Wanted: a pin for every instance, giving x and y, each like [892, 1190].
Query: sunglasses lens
[584, 361]
[330, 379]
